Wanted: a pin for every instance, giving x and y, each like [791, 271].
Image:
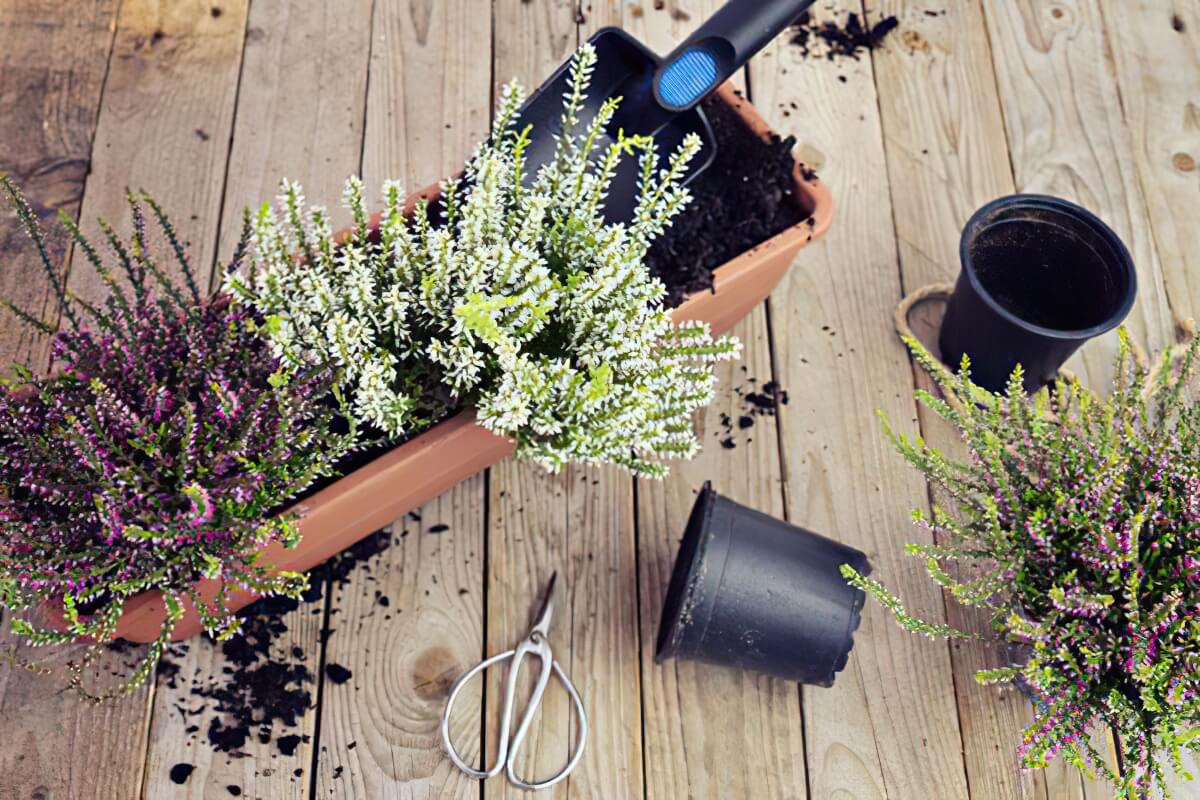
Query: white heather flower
[516, 298]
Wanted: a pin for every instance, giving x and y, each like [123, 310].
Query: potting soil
[834, 41]
[745, 197]
[261, 693]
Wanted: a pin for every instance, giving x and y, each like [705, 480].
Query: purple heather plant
[1078, 519]
[156, 454]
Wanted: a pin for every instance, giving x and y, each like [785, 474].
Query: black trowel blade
[625, 69]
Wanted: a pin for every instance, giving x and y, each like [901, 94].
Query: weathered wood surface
[832, 333]
[172, 71]
[578, 524]
[290, 48]
[946, 151]
[427, 105]
[46, 132]
[209, 104]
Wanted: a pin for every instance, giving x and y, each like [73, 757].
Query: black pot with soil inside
[1040, 276]
[756, 593]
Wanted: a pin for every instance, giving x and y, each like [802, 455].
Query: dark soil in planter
[746, 196]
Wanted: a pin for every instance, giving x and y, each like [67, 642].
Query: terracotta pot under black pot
[753, 592]
[1040, 276]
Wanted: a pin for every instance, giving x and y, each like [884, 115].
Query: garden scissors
[536, 643]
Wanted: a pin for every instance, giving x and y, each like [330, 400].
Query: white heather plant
[521, 301]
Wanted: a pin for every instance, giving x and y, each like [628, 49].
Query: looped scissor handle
[506, 754]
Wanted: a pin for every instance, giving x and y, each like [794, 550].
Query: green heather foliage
[1077, 519]
[519, 301]
[155, 455]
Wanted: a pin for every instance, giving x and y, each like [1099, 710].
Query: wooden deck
[207, 104]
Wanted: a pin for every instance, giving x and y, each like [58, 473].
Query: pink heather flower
[125, 469]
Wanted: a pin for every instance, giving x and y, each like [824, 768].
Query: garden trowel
[659, 96]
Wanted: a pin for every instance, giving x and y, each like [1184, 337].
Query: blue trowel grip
[719, 47]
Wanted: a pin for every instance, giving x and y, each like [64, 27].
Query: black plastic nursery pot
[1040, 276]
[756, 593]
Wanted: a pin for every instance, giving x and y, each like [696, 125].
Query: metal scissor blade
[541, 622]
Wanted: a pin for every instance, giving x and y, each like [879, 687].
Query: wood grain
[379, 731]
[173, 70]
[301, 106]
[292, 50]
[889, 727]
[714, 733]
[1068, 137]
[428, 100]
[166, 122]
[427, 106]
[46, 131]
[1155, 49]
[178, 734]
[578, 523]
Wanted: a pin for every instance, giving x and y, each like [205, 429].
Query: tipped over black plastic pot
[756, 593]
[1040, 276]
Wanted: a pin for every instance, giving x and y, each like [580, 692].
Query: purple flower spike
[159, 450]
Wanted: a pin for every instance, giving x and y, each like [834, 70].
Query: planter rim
[811, 192]
[979, 221]
[352, 494]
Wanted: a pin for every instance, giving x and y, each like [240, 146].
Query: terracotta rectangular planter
[455, 449]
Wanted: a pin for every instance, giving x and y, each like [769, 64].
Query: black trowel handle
[720, 46]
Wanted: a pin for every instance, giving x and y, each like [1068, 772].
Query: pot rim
[978, 222]
[681, 587]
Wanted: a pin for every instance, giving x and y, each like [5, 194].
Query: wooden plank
[578, 523]
[427, 106]
[173, 71]
[379, 730]
[166, 121]
[301, 106]
[531, 39]
[711, 732]
[889, 727]
[300, 115]
[937, 70]
[1068, 138]
[948, 169]
[1155, 51]
[49, 120]
[1155, 48]
[258, 768]
[428, 103]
